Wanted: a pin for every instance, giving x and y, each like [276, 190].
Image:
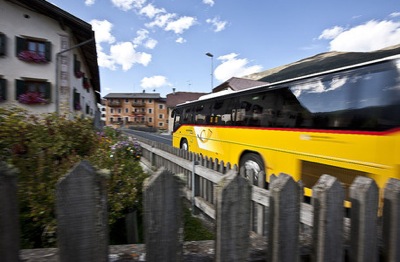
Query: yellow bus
[343, 122]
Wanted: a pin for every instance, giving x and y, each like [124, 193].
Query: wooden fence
[236, 205]
[280, 216]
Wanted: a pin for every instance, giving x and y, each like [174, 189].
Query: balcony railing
[114, 103]
[138, 104]
[138, 113]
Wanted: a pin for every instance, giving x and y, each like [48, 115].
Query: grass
[194, 229]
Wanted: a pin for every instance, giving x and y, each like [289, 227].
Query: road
[162, 138]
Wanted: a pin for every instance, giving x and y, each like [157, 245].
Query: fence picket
[233, 217]
[364, 197]
[9, 227]
[163, 217]
[391, 221]
[284, 220]
[328, 197]
[82, 220]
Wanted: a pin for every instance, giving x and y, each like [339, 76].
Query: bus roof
[227, 92]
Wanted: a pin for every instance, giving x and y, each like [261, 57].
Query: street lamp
[212, 69]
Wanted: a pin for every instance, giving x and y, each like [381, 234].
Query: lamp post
[212, 69]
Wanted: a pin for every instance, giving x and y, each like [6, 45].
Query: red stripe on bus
[330, 131]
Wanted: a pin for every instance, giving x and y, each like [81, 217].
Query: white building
[48, 60]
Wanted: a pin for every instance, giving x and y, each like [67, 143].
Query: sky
[159, 46]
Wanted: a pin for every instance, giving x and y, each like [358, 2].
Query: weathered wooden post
[364, 197]
[284, 220]
[391, 221]
[82, 219]
[233, 218]
[9, 215]
[327, 200]
[163, 217]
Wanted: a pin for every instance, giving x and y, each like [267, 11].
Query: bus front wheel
[253, 164]
[184, 144]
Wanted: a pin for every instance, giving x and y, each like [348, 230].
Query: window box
[33, 92]
[33, 51]
[30, 56]
[86, 83]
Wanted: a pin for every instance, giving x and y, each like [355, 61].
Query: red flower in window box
[86, 83]
[29, 56]
[79, 74]
[32, 98]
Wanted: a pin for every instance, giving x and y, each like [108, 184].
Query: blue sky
[159, 45]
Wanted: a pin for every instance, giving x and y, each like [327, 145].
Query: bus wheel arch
[251, 160]
[184, 144]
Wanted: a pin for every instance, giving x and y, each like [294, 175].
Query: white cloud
[331, 33]
[181, 24]
[370, 36]
[142, 34]
[105, 60]
[161, 20]
[180, 40]
[169, 23]
[232, 66]
[217, 24]
[395, 14]
[126, 5]
[143, 39]
[154, 82]
[124, 55]
[208, 2]
[89, 2]
[102, 31]
[150, 43]
[151, 11]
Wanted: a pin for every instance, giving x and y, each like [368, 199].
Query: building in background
[136, 110]
[48, 60]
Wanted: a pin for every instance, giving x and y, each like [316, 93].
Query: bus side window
[188, 116]
[221, 113]
[200, 115]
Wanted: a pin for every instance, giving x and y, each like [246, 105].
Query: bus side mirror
[173, 113]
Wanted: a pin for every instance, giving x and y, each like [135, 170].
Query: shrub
[44, 149]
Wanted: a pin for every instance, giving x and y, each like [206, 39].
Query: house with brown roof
[48, 60]
[177, 98]
[237, 83]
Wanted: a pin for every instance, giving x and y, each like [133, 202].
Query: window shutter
[2, 44]
[21, 89]
[47, 92]
[48, 51]
[77, 97]
[3, 89]
[77, 65]
[20, 45]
